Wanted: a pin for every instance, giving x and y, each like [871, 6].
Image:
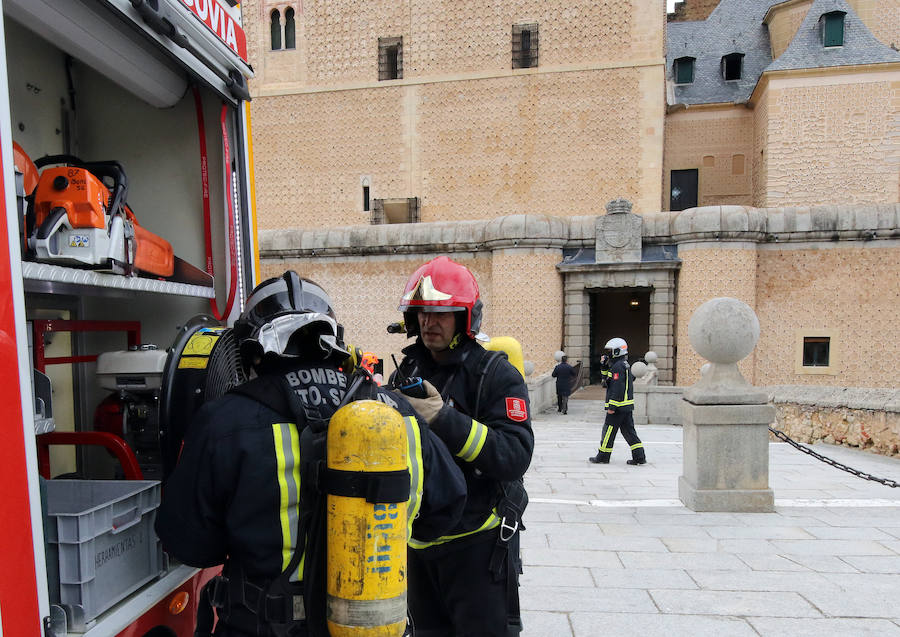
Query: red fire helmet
[441, 285]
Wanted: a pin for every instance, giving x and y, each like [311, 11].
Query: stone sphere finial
[724, 330]
[557, 356]
[618, 206]
[528, 368]
[651, 358]
[639, 369]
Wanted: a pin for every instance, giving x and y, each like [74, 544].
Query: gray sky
[670, 5]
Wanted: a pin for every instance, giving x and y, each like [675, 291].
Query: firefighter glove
[429, 406]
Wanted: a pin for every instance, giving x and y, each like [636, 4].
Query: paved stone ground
[610, 550]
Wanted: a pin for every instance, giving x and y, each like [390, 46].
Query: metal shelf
[48, 278]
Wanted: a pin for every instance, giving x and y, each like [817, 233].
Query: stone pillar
[725, 419]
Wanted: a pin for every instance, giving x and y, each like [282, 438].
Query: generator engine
[132, 411]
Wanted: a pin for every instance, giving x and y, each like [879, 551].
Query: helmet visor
[284, 335]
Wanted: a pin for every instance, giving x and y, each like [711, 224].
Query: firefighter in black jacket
[466, 582]
[619, 406]
[237, 496]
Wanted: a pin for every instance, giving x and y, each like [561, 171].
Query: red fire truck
[128, 249]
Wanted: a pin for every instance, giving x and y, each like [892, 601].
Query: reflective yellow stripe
[607, 433]
[640, 444]
[416, 472]
[493, 521]
[287, 454]
[474, 443]
[619, 403]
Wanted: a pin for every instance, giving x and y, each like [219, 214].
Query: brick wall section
[468, 149]
[851, 288]
[529, 308]
[832, 138]
[721, 133]
[709, 271]
[337, 40]
[759, 166]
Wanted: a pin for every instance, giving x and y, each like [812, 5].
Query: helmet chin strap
[454, 343]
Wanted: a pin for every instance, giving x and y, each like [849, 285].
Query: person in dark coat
[565, 378]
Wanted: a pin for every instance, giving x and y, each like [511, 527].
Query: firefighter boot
[602, 457]
[637, 456]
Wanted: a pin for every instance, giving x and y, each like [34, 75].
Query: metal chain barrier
[834, 463]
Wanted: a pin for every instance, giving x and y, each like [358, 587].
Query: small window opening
[275, 29]
[732, 66]
[816, 351]
[290, 31]
[833, 28]
[684, 70]
[366, 203]
[390, 58]
[737, 164]
[400, 210]
[524, 46]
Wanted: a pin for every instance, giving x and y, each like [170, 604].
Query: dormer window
[732, 66]
[832, 26]
[683, 70]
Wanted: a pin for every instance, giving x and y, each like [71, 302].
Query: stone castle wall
[831, 137]
[826, 271]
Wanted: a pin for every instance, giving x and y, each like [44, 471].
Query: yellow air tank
[366, 521]
[513, 350]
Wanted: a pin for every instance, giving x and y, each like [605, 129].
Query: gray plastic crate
[102, 532]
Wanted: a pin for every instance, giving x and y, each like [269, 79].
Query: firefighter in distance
[619, 405]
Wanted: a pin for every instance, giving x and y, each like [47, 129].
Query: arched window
[276, 30]
[289, 29]
[732, 66]
[683, 70]
[832, 26]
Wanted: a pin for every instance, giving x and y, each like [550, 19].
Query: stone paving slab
[611, 550]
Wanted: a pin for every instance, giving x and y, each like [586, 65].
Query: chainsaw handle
[111, 169]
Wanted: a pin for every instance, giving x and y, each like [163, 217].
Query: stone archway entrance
[618, 312]
[655, 282]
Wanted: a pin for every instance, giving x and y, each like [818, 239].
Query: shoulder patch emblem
[616, 376]
[516, 409]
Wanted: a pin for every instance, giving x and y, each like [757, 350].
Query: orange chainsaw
[80, 220]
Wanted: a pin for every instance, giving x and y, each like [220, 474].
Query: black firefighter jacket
[226, 497]
[620, 387]
[491, 446]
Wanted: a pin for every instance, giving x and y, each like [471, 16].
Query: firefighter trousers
[454, 593]
[623, 420]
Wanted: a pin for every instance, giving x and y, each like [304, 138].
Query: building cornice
[716, 224]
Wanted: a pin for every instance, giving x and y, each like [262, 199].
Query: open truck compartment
[134, 117]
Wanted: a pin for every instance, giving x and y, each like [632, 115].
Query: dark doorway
[623, 313]
[683, 189]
